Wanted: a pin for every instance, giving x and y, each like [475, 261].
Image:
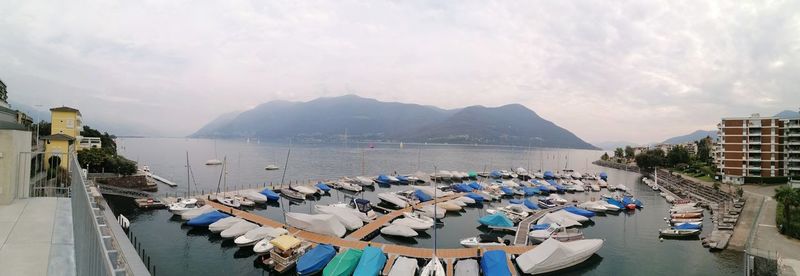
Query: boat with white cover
[323, 224]
[557, 232]
[349, 186]
[557, 199]
[433, 268]
[254, 236]
[229, 201]
[552, 255]
[225, 223]
[432, 211]
[238, 229]
[404, 266]
[593, 206]
[449, 206]
[305, 190]
[188, 215]
[413, 224]
[466, 200]
[467, 267]
[364, 181]
[254, 196]
[399, 230]
[350, 220]
[558, 219]
[457, 202]
[393, 199]
[578, 218]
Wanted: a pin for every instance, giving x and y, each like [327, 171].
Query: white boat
[558, 219]
[466, 200]
[433, 268]
[264, 245]
[433, 212]
[621, 187]
[481, 241]
[557, 199]
[609, 207]
[364, 181]
[486, 196]
[183, 205]
[243, 201]
[595, 188]
[449, 206]
[349, 186]
[552, 255]
[579, 188]
[557, 232]
[413, 223]
[229, 201]
[253, 236]
[321, 223]
[305, 190]
[467, 267]
[433, 192]
[399, 230]
[254, 196]
[593, 206]
[188, 215]
[393, 199]
[222, 224]
[419, 218]
[678, 232]
[683, 210]
[392, 179]
[457, 202]
[345, 215]
[238, 229]
[404, 266]
[361, 208]
[213, 162]
[271, 167]
[564, 213]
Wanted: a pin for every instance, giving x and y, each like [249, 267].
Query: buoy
[661, 239]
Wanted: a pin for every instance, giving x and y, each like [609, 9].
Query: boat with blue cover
[494, 263]
[462, 188]
[687, 226]
[475, 185]
[543, 226]
[383, 179]
[422, 196]
[371, 262]
[478, 198]
[549, 175]
[515, 201]
[615, 203]
[498, 219]
[323, 187]
[271, 195]
[604, 176]
[315, 259]
[495, 174]
[530, 191]
[579, 211]
[507, 191]
[530, 204]
[207, 218]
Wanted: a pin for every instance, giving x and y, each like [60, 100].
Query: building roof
[12, 126]
[58, 137]
[65, 108]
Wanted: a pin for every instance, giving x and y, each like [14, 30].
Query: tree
[739, 191]
[678, 155]
[604, 157]
[789, 198]
[715, 185]
[650, 159]
[618, 152]
[704, 149]
[107, 140]
[629, 152]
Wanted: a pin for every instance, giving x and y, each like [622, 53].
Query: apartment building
[750, 147]
[791, 149]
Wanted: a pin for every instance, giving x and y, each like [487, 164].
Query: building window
[70, 123]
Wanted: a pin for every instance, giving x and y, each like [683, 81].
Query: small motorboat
[322, 187]
[343, 264]
[404, 266]
[243, 201]
[495, 263]
[305, 190]
[557, 199]
[674, 233]
[223, 224]
[593, 206]
[364, 181]
[433, 268]
[323, 224]
[565, 213]
[457, 202]
[579, 211]
[207, 218]
[448, 206]
[238, 229]
[349, 186]
[552, 255]
[254, 196]
[686, 215]
[229, 201]
[467, 267]
[481, 241]
[345, 215]
[182, 205]
[557, 232]
[264, 245]
[292, 194]
[371, 262]
[271, 167]
[270, 194]
[433, 211]
[255, 235]
[213, 162]
[545, 203]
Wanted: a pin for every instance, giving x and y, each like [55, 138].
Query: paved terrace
[36, 237]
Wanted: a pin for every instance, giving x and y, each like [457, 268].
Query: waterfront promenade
[36, 237]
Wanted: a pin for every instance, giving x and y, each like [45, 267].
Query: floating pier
[163, 180]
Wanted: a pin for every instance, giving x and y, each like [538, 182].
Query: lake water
[631, 239]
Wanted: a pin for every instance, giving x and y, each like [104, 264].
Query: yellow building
[65, 129]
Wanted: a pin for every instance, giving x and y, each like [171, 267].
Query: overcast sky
[637, 71]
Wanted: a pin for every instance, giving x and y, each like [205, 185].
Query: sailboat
[184, 205]
[434, 267]
[214, 161]
[225, 199]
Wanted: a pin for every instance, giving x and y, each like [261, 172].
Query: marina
[421, 247]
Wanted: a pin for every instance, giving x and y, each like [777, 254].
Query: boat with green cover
[343, 264]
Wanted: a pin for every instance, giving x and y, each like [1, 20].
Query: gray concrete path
[767, 237]
[36, 237]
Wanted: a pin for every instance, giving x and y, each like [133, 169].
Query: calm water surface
[631, 239]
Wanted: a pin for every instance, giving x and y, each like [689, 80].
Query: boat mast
[188, 178]
[434, 214]
[220, 177]
[286, 164]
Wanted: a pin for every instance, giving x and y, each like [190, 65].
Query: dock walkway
[382, 220]
[524, 227]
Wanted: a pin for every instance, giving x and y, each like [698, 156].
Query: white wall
[13, 176]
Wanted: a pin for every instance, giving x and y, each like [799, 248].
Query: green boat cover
[472, 174]
[343, 264]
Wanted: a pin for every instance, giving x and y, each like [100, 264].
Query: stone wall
[140, 182]
[14, 179]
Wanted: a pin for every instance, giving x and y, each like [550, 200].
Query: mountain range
[363, 119]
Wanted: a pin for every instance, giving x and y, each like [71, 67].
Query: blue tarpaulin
[497, 220]
[507, 191]
[494, 263]
[542, 226]
[462, 188]
[403, 179]
[323, 187]
[530, 204]
[371, 262]
[495, 174]
[315, 259]
[515, 201]
[688, 226]
[475, 185]
[422, 196]
[615, 203]
[383, 179]
[579, 211]
[548, 175]
[271, 196]
[207, 219]
[604, 176]
[529, 191]
[478, 198]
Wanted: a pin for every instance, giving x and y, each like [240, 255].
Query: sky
[637, 71]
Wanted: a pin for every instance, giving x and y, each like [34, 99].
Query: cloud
[636, 71]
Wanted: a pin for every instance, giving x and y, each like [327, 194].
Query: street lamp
[37, 125]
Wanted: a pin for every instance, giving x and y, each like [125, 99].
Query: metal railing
[97, 250]
[44, 175]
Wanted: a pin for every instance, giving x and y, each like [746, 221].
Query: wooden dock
[353, 241]
[382, 220]
[524, 226]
